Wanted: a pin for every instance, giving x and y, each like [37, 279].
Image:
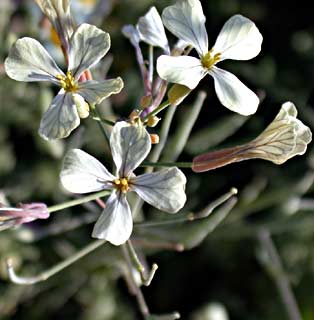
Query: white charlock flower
[29, 61]
[239, 39]
[285, 137]
[130, 144]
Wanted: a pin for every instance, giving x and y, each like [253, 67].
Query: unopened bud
[177, 94]
[146, 101]
[154, 138]
[134, 115]
[152, 121]
[81, 105]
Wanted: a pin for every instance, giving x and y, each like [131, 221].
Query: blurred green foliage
[226, 266]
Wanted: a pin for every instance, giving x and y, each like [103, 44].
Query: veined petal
[152, 30]
[284, 138]
[132, 34]
[233, 94]
[115, 223]
[58, 13]
[239, 39]
[184, 70]
[163, 189]
[96, 91]
[130, 145]
[87, 46]
[28, 60]
[82, 173]
[60, 118]
[186, 20]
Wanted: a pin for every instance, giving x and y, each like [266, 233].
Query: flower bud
[152, 121]
[81, 105]
[154, 138]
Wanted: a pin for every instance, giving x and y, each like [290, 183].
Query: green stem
[101, 126]
[55, 269]
[157, 110]
[76, 202]
[167, 164]
[103, 120]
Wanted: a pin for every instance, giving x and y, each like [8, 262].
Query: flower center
[209, 60]
[68, 82]
[122, 184]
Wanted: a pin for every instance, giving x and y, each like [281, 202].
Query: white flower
[130, 144]
[29, 61]
[239, 39]
[283, 139]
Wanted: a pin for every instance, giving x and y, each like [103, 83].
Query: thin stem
[279, 276]
[146, 279]
[76, 202]
[157, 110]
[52, 271]
[151, 64]
[103, 120]
[167, 164]
[101, 126]
[138, 293]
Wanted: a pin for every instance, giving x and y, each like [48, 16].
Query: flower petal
[130, 145]
[233, 94]
[184, 70]
[87, 46]
[132, 34]
[284, 138]
[152, 30]
[28, 60]
[96, 91]
[82, 173]
[115, 223]
[186, 20]
[60, 118]
[162, 189]
[239, 39]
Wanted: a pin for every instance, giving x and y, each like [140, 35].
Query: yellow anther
[122, 185]
[67, 82]
[209, 60]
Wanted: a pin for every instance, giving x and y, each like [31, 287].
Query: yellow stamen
[122, 185]
[209, 60]
[68, 82]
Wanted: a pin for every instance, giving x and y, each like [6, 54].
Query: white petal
[162, 189]
[28, 60]
[184, 70]
[186, 20]
[115, 223]
[152, 30]
[130, 145]
[239, 39]
[97, 91]
[132, 34]
[60, 118]
[87, 46]
[233, 94]
[284, 138]
[82, 173]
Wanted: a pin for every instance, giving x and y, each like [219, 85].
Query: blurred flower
[11, 217]
[28, 60]
[130, 144]
[283, 139]
[239, 39]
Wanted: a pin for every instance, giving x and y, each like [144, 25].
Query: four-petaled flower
[283, 139]
[29, 61]
[130, 144]
[239, 39]
[11, 217]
